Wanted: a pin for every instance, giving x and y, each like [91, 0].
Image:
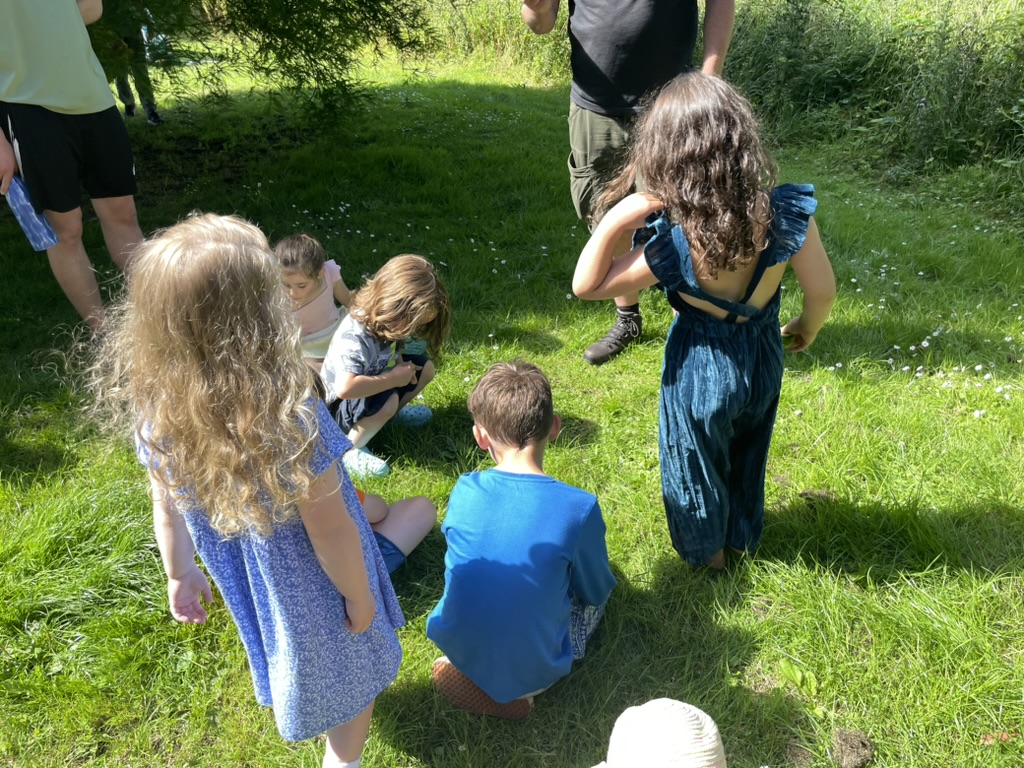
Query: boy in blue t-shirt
[526, 572]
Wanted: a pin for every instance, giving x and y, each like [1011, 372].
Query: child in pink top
[313, 283]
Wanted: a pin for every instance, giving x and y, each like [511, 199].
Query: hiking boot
[626, 330]
[463, 693]
[360, 463]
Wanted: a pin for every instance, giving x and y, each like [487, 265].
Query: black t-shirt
[621, 49]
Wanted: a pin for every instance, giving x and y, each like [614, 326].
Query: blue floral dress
[720, 389]
[305, 663]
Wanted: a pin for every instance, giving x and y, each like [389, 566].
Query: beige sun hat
[665, 733]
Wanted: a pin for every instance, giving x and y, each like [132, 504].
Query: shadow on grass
[24, 464]
[843, 342]
[871, 541]
[660, 638]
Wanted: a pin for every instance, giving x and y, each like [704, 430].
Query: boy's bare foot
[463, 693]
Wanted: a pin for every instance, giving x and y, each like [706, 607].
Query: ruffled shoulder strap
[661, 251]
[792, 207]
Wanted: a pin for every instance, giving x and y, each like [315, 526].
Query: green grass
[886, 597]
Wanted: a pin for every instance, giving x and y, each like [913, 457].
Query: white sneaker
[359, 462]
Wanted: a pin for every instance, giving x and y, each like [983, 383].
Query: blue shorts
[350, 412]
[393, 556]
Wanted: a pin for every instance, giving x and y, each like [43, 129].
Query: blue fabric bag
[37, 229]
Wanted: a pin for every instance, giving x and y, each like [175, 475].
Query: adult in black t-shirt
[620, 50]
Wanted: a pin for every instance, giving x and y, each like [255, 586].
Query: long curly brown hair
[697, 148]
[405, 298]
[203, 351]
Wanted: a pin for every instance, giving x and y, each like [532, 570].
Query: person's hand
[186, 595]
[405, 373]
[8, 164]
[631, 212]
[359, 614]
[536, 5]
[795, 337]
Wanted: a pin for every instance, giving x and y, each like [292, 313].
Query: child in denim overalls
[716, 235]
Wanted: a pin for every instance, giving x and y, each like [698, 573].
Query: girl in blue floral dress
[203, 357]
[716, 234]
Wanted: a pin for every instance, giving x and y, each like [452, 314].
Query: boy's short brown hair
[512, 401]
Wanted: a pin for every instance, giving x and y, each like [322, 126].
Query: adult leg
[597, 143]
[345, 742]
[120, 224]
[364, 429]
[71, 266]
[407, 522]
[140, 74]
[124, 93]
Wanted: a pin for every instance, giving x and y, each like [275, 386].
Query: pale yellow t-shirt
[46, 58]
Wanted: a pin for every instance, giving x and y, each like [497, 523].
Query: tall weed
[495, 28]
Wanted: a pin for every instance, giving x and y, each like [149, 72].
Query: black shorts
[59, 154]
[349, 412]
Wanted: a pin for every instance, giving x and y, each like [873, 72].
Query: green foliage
[308, 46]
[930, 82]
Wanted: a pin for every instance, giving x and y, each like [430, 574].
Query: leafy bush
[309, 45]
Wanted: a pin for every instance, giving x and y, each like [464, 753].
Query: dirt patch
[797, 754]
[852, 749]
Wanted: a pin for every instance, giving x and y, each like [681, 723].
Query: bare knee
[426, 375]
[389, 409]
[67, 226]
[116, 211]
[423, 511]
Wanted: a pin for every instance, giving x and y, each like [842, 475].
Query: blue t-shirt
[518, 546]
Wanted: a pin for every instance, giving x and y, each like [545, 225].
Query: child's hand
[405, 373]
[631, 212]
[795, 337]
[359, 614]
[186, 595]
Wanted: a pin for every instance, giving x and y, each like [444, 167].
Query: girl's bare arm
[335, 539]
[818, 285]
[186, 583]
[607, 267]
[353, 386]
[342, 294]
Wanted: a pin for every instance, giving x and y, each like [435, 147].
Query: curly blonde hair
[204, 353]
[697, 148]
[405, 298]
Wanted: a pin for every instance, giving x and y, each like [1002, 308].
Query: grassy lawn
[887, 598]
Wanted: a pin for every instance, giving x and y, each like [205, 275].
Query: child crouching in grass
[368, 376]
[526, 572]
